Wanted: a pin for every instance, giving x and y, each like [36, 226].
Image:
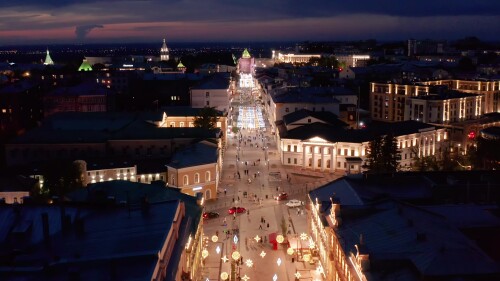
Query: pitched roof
[217, 81]
[326, 116]
[200, 153]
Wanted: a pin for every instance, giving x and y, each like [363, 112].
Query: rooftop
[200, 153]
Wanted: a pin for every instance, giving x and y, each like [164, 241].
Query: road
[252, 153]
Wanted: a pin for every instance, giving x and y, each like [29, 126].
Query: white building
[280, 57]
[319, 146]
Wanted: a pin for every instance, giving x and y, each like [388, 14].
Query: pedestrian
[267, 225]
[261, 219]
[225, 191]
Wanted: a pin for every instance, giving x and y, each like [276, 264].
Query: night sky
[93, 21]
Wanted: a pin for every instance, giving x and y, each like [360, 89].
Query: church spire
[48, 59]
[164, 53]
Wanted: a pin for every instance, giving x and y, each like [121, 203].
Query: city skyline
[92, 21]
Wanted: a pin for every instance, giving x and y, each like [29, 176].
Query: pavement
[265, 179]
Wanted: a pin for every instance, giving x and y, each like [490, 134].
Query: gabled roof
[326, 116]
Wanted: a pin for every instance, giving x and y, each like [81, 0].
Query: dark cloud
[83, 30]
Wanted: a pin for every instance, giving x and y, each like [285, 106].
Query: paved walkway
[252, 175]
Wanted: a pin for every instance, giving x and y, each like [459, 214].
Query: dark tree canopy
[383, 155]
[207, 118]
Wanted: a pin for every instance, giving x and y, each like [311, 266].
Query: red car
[237, 210]
[281, 196]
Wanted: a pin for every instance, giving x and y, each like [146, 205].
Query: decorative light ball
[215, 238]
[290, 251]
[236, 255]
[280, 238]
[204, 253]
[224, 275]
[307, 258]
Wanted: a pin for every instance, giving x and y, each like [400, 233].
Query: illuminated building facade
[196, 169]
[353, 60]
[388, 101]
[321, 147]
[489, 89]
[293, 58]
[450, 107]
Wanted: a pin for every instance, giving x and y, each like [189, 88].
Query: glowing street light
[245, 278]
[262, 254]
[215, 238]
[236, 255]
[275, 277]
[297, 275]
[256, 238]
[303, 236]
[224, 259]
[235, 239]
[290, 251]
[278, 261]
[249, 263]
[204, 253]
[224, 275]
[217, 250]
[280, 238]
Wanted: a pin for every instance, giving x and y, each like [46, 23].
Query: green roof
[85, 66]
[180, 65]
[48, 59]
[246, 54]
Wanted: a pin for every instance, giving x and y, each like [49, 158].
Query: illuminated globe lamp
[290, 251]
[280, 238]
[215, 238]
[307, 258]
[204, 253]
[224, 275]
[236, 255]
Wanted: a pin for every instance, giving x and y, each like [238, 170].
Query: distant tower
[181, 67]
[164, 54]
[48, 59]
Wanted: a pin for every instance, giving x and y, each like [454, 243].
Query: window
[345, 165]
[207, 176]
[286, 109]
[294, 160]
[295, 148]
[338, 164]
[172, 124]
[289, 160]
[207, 94]
[352, 152]
[319, 163]
[345, 151]
[208, 103]
[289, 147]
[338, 151]
[186, 180]
[197, 178]
[309, 120]
[181, 124]
[172, 180]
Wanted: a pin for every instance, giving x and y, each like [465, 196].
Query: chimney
[45, 226]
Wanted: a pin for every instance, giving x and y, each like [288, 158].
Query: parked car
[294, 203]
[237, 210]
[281, 196]
[210, 215]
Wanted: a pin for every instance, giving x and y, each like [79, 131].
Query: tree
[383, 155]
[390, 154]
[207, 118]
[62, 177]
[374, 154]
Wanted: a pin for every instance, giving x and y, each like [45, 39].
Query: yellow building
[196, 169]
